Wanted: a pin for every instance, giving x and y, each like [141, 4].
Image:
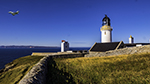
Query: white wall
[64, 46]
[106, 36]
[131, 40]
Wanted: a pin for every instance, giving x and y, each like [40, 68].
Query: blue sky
[47, 22]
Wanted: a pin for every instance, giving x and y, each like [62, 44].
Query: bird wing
[16, 12]
[10, 12]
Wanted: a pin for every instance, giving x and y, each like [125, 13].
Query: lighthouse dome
[106, 17]
[106, 21]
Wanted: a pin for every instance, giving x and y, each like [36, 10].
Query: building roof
[130, 36]
[102, 47]
[134, 44]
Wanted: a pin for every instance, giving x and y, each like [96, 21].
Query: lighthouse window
[105, 33]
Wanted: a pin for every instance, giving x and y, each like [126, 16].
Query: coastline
[42, 64]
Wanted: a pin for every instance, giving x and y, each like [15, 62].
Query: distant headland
[30, 46]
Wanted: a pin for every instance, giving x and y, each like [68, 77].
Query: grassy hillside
[123, 69]
[21, 67]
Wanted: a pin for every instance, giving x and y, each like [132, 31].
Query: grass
[123, 69]
[21, 67]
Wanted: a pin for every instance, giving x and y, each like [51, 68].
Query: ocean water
[7, 55]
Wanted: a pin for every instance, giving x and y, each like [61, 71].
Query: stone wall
[37, 75]
[124, 51]
[59, 53]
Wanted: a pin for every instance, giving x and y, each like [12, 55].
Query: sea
[7, 55]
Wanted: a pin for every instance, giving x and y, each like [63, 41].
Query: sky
[47, 22]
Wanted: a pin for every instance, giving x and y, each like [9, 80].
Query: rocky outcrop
[8, 67]
[124, 51]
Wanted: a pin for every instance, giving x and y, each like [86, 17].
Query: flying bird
[13, 13]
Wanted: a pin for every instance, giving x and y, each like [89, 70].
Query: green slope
[124, 69]
[21, 67]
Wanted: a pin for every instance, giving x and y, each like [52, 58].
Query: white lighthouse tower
[106, 35]
[64, 46]
[131, 39]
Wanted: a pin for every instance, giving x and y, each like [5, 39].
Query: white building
[131, 39]
[106, 34]
[64, 46]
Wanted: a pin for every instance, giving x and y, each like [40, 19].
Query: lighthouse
[106, 30]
